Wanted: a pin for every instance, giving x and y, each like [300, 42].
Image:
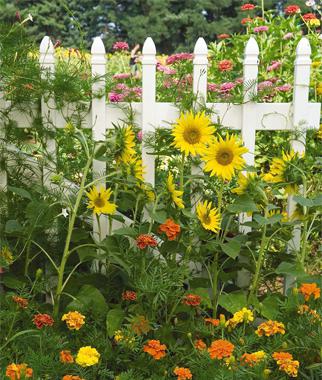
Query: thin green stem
[215, 275]
[182, 171]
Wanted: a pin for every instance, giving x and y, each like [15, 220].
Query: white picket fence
[249, 117]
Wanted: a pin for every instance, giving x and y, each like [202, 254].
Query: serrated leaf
[232, 248]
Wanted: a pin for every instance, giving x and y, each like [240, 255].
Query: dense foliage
[173, 284]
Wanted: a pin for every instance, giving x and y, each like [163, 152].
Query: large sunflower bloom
[279, 171]
[127, 145]
[98, 200]
[192, 132]
[209, 217]
[223, 157]
[176, 195]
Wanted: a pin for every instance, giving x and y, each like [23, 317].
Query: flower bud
[189, 335]
[284, 345]
[266, 373]
[222, 320]
[39, 273]
[295, 291]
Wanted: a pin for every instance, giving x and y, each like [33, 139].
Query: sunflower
[135, 168]
[98, 200]
[284, 170]
[244, 182]
[176, 195]
[223, 157]
[209, 217]
[192, 132]
[126, 146]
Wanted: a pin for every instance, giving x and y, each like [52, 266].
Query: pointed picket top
[303, 52]
[200, 52]
[149, 47]
[251, 51]
[46, 46]
[98, 46]
[46, 50]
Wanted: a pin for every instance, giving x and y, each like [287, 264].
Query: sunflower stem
[305, 227]
[66, 251]
[182, 171]
[215, 274]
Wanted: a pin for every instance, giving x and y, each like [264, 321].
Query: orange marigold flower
[71, 377]
[74, 320]
[200, 345]
[223, 36]
[144, 240]
[310, 289]
[270, 328]
[253, 358]
[220, 349]
[140, 325]
[246, 20]
[305, 309]
[129, 295]
[247, 7]
[182, 373]
[212, 321]
[155, 349]
[225, 65]
[18, 371]
[191, 300]
[42, 320]
[66, 357]
[171, 229]
[21, 302]
[281, 356]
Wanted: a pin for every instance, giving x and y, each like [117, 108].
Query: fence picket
[248, 128]
[148, 104]
[47, 62]
[98, 61]
[302, 68]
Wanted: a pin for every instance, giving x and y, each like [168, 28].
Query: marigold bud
[284, 345]
[222, 320]
[189, 335]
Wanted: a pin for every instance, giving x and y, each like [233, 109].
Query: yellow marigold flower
[209, 217]
[314, 22]
[176, 195]
[87, 356]
[223, 157]
[6, 255]
[309, 290]
[243, 315]
[118, 336]
[253, 358]
[192, 132]
[99, 201]
[74, 320]
[270, 328]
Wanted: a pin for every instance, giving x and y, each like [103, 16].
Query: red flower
[292, 9]
[21, 302]
[223, 36]
[42, 320]
[309, 16]
[225, 65]
[129, 295]
[247, 7]
[121, 45]
[145, 240]
[246, 20]
[192, 300]
[170, 228]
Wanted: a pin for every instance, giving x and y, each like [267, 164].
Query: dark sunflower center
[99, 202]
[206, 219]
[192, 135]
[225, 156]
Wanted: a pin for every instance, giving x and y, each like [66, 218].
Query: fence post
[98, 61]
[200, 68]
[248, 129]
[302, 67]
[47, 63]
[148, 104]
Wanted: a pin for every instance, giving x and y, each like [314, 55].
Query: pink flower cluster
[121, 76]
[179, 57]
[165, 69]
[121, 45]
[121, 92]
[260, 29]
[274, 66]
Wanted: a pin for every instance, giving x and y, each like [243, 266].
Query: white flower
[64, 212]
[310, 3]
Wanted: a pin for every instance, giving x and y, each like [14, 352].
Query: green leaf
[12, 281]
[306, 202]
[293, 269]
[89, 298]
[261, 220]
[79, 234]
[19, 191]
[114, 319]
[242, 204]
[126, 231]
[159, 216]
[13, 226]
[233, 301]
[87, 253]
[269, 307]
[232, 248]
